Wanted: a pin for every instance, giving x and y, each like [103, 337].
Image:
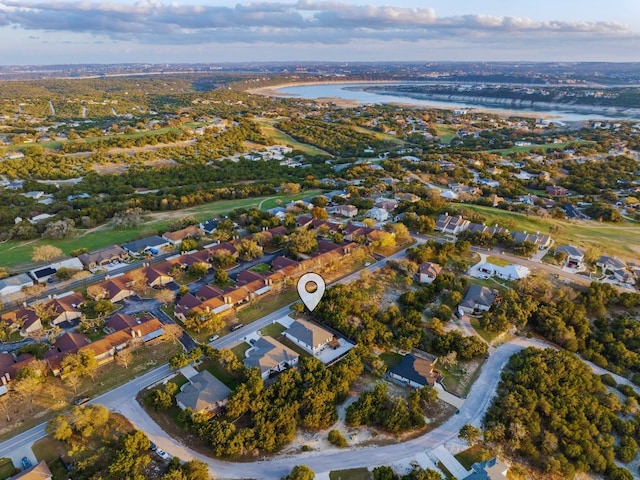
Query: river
[356, 92]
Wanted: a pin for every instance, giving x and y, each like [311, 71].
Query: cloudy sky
[209, 31]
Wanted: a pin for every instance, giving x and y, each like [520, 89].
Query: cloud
[304, 21]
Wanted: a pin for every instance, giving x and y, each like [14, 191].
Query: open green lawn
[544, 146]
[281, 138]
[273, 330]
[619, 239]
[351, 474]
[260, 268]
[264, 306]
[473, 455]
[240, 350]
[380, 136]
[446, 133]
[6, 468]
[15, 253]
[220, 373]
[391, 359]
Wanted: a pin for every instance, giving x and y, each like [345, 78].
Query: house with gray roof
[477, 298]
[494, 469]
[149, 244]
[270, 356]
[308, 335]
[203, 393]
[575, 255]
[417, 372]
[14, 284]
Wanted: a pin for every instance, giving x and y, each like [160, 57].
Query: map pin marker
[311, 299]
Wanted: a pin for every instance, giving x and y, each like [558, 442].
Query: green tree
[301, 472]
[248, 249]
[470, 434]
[301, 241]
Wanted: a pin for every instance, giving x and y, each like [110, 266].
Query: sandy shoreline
[274, 91]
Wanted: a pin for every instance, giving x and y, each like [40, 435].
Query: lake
[353, 91]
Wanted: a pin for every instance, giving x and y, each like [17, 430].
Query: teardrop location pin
[311, 299]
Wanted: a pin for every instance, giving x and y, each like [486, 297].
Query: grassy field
[15, 253]
[380, 136]
[446, 133]
[487, 336]
[267, 305]
[273, 330]
[620, 239]
[281, 138]
[351, 474]
[473, 455]
[544, 146]
[391, 359]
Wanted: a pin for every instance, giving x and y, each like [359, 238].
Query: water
[353, 91]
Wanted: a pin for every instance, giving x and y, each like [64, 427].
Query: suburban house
[417, 372]
[187, 303]
[282, 262]
[20, 318]
[378, 214]
[270, 356]
[538, 239]
[159, 275]
[39, 471]
[66, 308]
[279, 212]
[15, 284]
[575, 255]
[209, 226]
[348, 211]
[308, 335]
[151, 244]
[176, 238]
[117, 289]
[451, 225]
[557, 191]
[428, 272]
[103, 257]
[106, 347]
[477, 298]
[10, 364]
[610, 264]
[44, 274]
[204, 393]
[494, 469]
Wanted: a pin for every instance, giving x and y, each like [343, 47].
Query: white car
[162, 454]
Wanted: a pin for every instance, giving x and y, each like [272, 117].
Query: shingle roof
[203, 391]
[309, 333]
[415, 369]
[269, 353]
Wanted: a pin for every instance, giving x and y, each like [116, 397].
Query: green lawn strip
[379, 135]
[240, 350]
[500, 262]
[280, 137]
[391, 359]
[472, 455]
[215, 369]
[446, 133]
[51, 451]
[265, 306]
[619, 239]
[487, 336]
[544, 146]
[14, 253]
[273, 330]
[351, 474]
[6, 468]
[260, 268]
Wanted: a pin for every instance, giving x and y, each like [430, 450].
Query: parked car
[214, 337]
[152, 446]
[81, 401]
[26, 463]
[237, 326]
[162, 454]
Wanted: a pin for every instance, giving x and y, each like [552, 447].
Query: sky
[215, 31]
